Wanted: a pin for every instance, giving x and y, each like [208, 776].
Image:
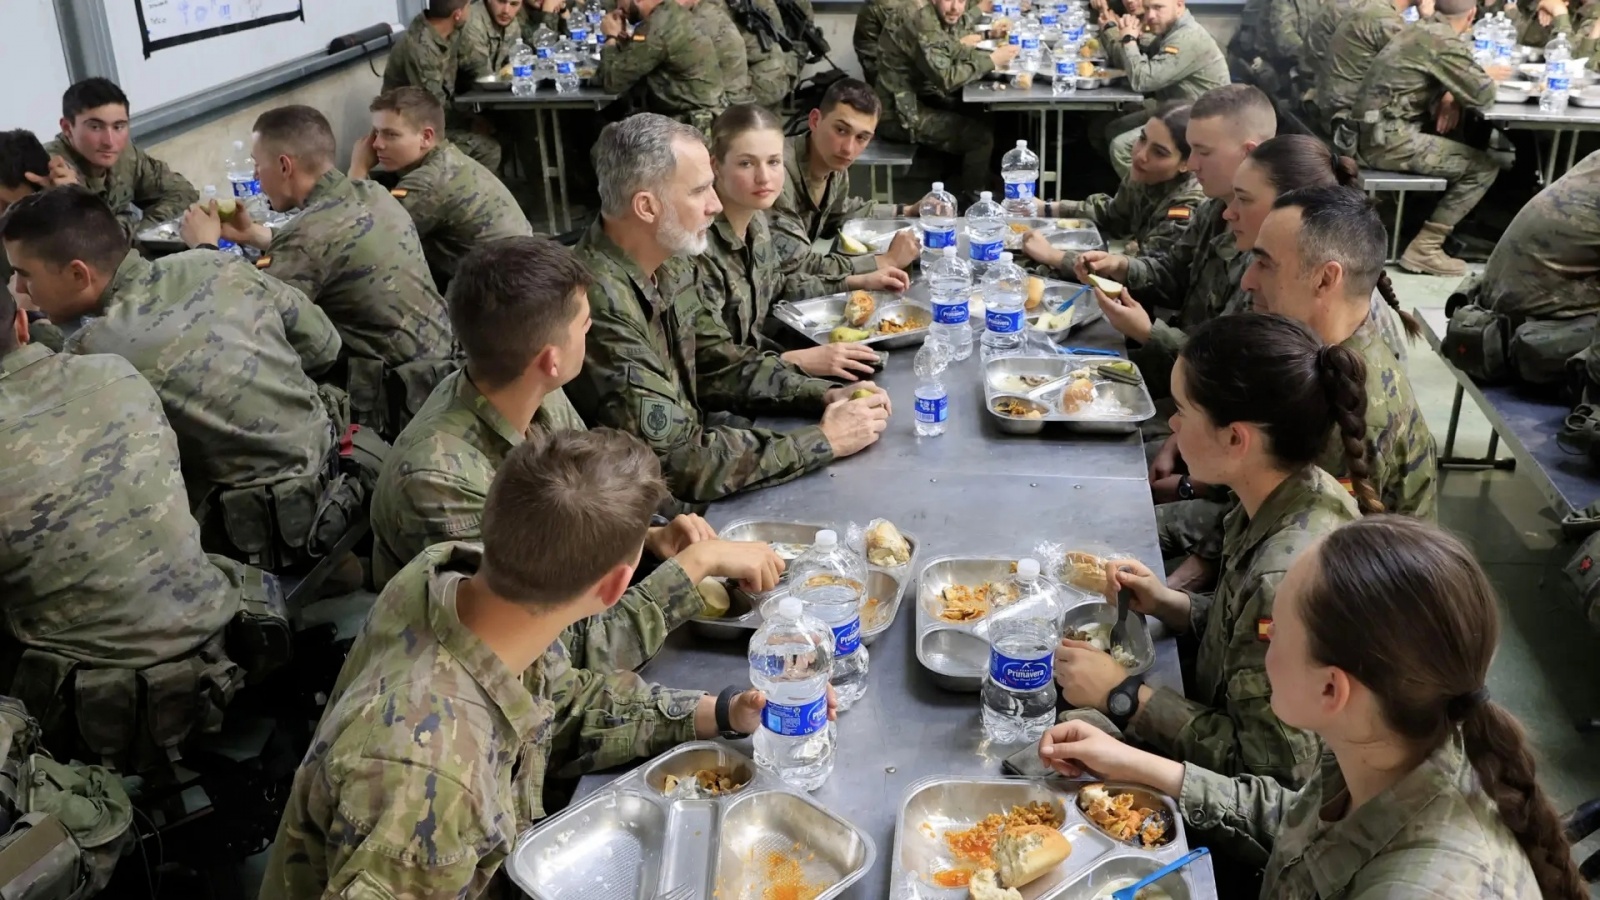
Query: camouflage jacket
[672, 60]
[1203, 266]
[431, 757]
[1181, 64]
[740, 278]
[770, 68]
[1585, 35]
[1413, 70]
[1357, 37]
[712, 18]
[100, 560]
[425, 60]
[432, 489]
[921, 61]
[1287, 22]
[483, 48]
[1153, 215]
[1533, 33]
[1435, 833]
[875, 17]
[659, 360]
[1546, 265]
[227, 350]
[355, 253]
[137, 182]
[1226, 723]
[456, 205]
[798, 222]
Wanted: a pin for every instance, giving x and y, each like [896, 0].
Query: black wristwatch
[725, 729]
[1123, 701]
[1185, 488]
[1130, 38]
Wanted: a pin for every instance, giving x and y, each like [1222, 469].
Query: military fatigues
[1283, 39]
[660, 365]
[922, 67]
[354, 251]
[1150, 216]
[875, 17]
[1179, 65]
[798, 222]
[456, 205]
[1394, 107]
[425, 60]
[738, 279]
[1314, 53]
[432, 755]
[1245, 50]
[771, 69]
[712, 18]
[139, 188]
[1358, 35]
[674, 64]
[1585, 35]
[228, 350]
[1226, 723]
[1435, 833]
[102, 578]
[483, 48]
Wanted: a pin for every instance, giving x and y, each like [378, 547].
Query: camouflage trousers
[1540, 348]
[484, 148]
[954, 133]
[1403, 147]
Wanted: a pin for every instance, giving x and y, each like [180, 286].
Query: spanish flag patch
[1171, 50]
[1348, 485]
[1264, 630]
[399, 193]
[1179, 212]
[263, 262]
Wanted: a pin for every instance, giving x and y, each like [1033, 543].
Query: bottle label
[579, 35]
[1030, 43]
[938, 240]
[1002, 322]
[1019, 190]
[1482, 45]
[1556, 78]
[544, 52]
[1066, 68]
[847, 638]
[1048, 20]
[225, 245]
[595, 16]
[566, 67]
[522, 72]
[795, 721]
[1014, 39]
[950, 313]
[933, 410]
[1075, 34]
[1019, 674]
[986, 252]
[244, 190]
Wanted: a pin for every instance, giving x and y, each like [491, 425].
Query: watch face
[1120, 704]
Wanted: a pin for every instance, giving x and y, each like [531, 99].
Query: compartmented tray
[790, 539]
[1029, 383]
[816, 318]
[1097, 865]
[875, 234]
[1070, 234]
[632, 840]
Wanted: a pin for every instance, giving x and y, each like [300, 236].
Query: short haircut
[91, 93]
[637, 154]
[299, 132]
[510, 299]
[564, 510]
[853, 93]
[1455, 9]
[738, 120]
[1243, 105]
[442, 9]
[21, 154]
[1340, 224]
[65, 224]
[419, 108]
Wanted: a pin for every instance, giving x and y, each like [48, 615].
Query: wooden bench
[882, 155]
[1399, 183]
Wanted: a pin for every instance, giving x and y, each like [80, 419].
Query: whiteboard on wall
[32, 57]
[197, 67]
[172, 23]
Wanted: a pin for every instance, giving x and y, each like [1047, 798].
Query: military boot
[1425, 254]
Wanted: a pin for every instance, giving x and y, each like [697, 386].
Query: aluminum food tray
[744, 610]
[1134, 398]
[1069, 233]
[816, 318]
[632, 841]
[1087, 311]
[935, 805]
[876, 234]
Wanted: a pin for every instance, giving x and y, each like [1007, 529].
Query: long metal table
[1038, 99]
[1527, 117]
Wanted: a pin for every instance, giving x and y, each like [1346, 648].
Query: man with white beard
[660, 361]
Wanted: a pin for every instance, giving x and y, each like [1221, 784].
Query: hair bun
[1346, 171]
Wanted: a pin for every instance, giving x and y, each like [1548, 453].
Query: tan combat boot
[1425, 254]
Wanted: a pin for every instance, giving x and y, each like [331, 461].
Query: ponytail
[1344, 381]
[1407, 320]
[1346, 172]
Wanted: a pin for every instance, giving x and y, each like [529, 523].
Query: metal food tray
[493, 83]
[744, 610]
[630, 840]
[816, 318]
[936, 805]
[875, 234]
[1134, 398]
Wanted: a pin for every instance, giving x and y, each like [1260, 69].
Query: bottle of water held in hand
[933, 400]
[790, 657]
[245, 186]
[1557, 78]
[524, 81]
[950, 284]
[937, 221]
[566, 67]
[831, 580]
[1019, 692]
[1005, 296]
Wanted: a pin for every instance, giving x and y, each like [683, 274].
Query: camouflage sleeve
[1240, 815]
[790, 240]
[1171, 221]
[1167, 66]
[799, 284]
[629, 634]
[425, 204]
[473, 54]
[1093, 207]
[1461, 75]
[1167, 273]
[424, 67]
[869, 27]
[741, 379]
[159, 192]
[948, 65]
[605, 720]
[624, 63]
[1284, 30]
[309, 329]
[534, 17]
[1419, 474]
[430, 506]
[293, 260]
[1586, 35]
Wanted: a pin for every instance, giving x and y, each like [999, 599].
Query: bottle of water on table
[986, 233]
[790, 658]
[1020, 170]
[544, 51]
[1505, 42]
[830, 579]
[1557, 78]
[1064, 69]
[578, 27]
[1005, 296]
[1049, 24]
[950, 284]
[524, 81]
[242, 181]
[937, 221]
[566, 67]
[1029, 55]
[1483, 42]
[1019, 692]
[933, 400]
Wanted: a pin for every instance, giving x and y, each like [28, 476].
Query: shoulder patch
[399, 193]
[1348, 485]
[1264, 630]
[1171, 49]
[263, 262]
[638, 37]
[1179, 212]
[655, 418]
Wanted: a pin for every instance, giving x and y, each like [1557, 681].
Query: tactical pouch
[1346, 137]
[369, 402]
[337, 403]
[19, 738]
[106, 702]
[92, 806]
[39, 860]
[294, 506]
[364, 457]
[171, 701]
[409, 386]
[1583, 570]
[247, 520]
[1475, 343]
[260, 638]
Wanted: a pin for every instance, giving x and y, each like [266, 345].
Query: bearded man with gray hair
[660, 361]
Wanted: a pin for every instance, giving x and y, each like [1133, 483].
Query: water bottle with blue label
[1005, 297]
[578, 27]
[1064, 68]
[932, 408]
[1020, 170]
[544, 52]
[1018, 697]
[1483, 42]
[524, 80]
[950, 287]
[1557, 77]
[1049, 24]
[831, 580]
[242, 181]
[1505, 41]
[791, 655]
[986, 234]
[1029, 47]
[1411, 16]
[936, 219]
[566, 66]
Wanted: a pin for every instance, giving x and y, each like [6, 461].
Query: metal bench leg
[1489, 460]
[1394, 240]
[561, 170]
[543, 136]
[888, 184]
[1455, 420]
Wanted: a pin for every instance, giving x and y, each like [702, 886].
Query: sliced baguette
[983, 887]
[1026, 852]
[1107, 286]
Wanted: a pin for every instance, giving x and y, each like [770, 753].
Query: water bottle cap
[1005, 257]
[986, 195]
[938, 187]
[1022, 145]
[827, 537]
[790, 607]
[1028, 568]
[238, 145]
[949, 251]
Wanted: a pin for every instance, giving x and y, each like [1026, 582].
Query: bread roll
[984, 887]
[1087, 571]
[887, 548]
[1035, 292]
[1026, 852]
[715, 596]
[858, 309]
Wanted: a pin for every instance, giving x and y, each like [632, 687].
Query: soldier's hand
[1125, 314]
[612, 24]
[1086, 674]
[241, 229]
[363, 159]
[846, 361]
[1166, 462]
[844, 393]
[201, 224]
[885, 278]
[744, 711]
[1075, 748]
[1449, 114]
[1425, 9]
[1165, 489]
[1098, 262]
[854, 425]
[61, 174]
[755, 565]
[1131, 25]
[552, 6]
[678, 535]
[1550, 10]
[1151, 596]
[971, 40]
[1003, 56]
[903, 250]
[1039, 250]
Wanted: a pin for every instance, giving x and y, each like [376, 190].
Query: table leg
[1061, 155]
[1399, 220]
[544, 170]
[1572, 151]
[561, 170]
[1455, 419]
[1550, 164]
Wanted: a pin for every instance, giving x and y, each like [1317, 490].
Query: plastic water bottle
[1019, 692]
[933, 400]
[1505, 41]
[1029, 55]
[1020, 169]
[1557, 80]
[578, 27]
[1411, 16]
[566, 67]
[1064, 68]
[937, 221]
[524, 81]
[244, 184]
[596, 13]
[790, 657]
[950, 283]
[1483, 42]
[223, 244]
[986, 233]
[1005, 290]
[544, 50]
[1077, 25]
[1049, 25]
[831, 580]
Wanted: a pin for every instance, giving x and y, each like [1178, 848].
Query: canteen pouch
[40, 686]
[39, 860]
[1475, 342]
[1583, 570]
[91, 804]
[369, 404]
[294, 504]
[247, 519]
[106, 702]
[260, 638]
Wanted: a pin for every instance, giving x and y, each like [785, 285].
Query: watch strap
[724, 724]
[1130, 689]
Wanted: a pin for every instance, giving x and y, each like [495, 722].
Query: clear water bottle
[1483, 42]
[596, 13]
[242, 181]
[578, 27]
[1049, 25]
[1029, 55]
[937, 222]
[1505, 42]
[1557, 80]
[1064, 68]
[226, 246]
[1411, 16]
[566, 67]
[932, 408]
[986, 233]
[524, 81]
[1020, 169]
[791, 655]
[1077, 26]
[950, 284]
[831, 580]
[1005, 294]
[544, 51]
[1019, 692]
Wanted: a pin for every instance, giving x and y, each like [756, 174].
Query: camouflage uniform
[1181, 64]
[139, 188]
[1151, 216]
[922, 67]
[1283, 38]
[353, 250]
[456, 205]
[483, 48]
[798, 222]
[1358, 35]
[673, 63]
[770, 67]
[425, 60]
[432, 755]
[1226, 723]
[102, 577]
[876, 16]
[1245, 49]
[228, 351]
[741, 278]
[1434, 833]
[1394, 107]
[662, 366]
[1533, 34]
[712, 18]
[1585, 35]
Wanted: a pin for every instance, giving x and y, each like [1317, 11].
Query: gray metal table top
[585, 97]
[1527, 116]
[1039, 97]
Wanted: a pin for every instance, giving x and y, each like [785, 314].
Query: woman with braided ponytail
[1380, 645]
[1258, 398]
